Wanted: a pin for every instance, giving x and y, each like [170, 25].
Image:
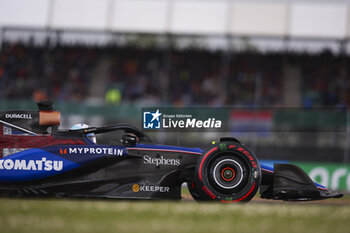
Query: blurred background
[101, 61]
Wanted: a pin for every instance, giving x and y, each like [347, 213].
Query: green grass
[346, 197]
[54, 215]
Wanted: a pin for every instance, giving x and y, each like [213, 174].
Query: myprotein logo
[150, 188]
[18, 116]
[31, 165]
[92, 150]
[63, 151]
[160, 161]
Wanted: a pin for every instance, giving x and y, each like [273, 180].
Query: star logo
[156, 115]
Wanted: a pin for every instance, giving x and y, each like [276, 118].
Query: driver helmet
[90, 136]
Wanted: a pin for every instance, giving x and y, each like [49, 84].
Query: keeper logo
[151, 120]
[136, 188]
[150, 188]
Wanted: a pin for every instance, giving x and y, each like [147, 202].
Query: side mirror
[128, 140]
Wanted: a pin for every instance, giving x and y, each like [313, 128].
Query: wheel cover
[228, 174]
[234, 173]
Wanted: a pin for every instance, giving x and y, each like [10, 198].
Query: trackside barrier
[331, 175]
[335, 176]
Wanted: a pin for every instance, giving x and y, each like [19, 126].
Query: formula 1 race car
[120, 161]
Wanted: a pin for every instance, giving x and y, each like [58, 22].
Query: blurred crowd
[196, 77]
[181, 77]
[325, 79]
[61, 73]
[215, 78]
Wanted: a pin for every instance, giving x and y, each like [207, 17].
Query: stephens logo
[150, 188]
[31, 165]
[18, 116]
[151, 120]
[160, 161]
[92, 150]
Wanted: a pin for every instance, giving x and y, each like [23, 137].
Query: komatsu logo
[93, 150]
[18, 116]
[31, 165]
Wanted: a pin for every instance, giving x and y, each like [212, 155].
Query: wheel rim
[228, 174]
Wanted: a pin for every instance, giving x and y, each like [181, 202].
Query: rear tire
[228, 172]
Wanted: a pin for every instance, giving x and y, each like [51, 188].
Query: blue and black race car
[120, 161]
